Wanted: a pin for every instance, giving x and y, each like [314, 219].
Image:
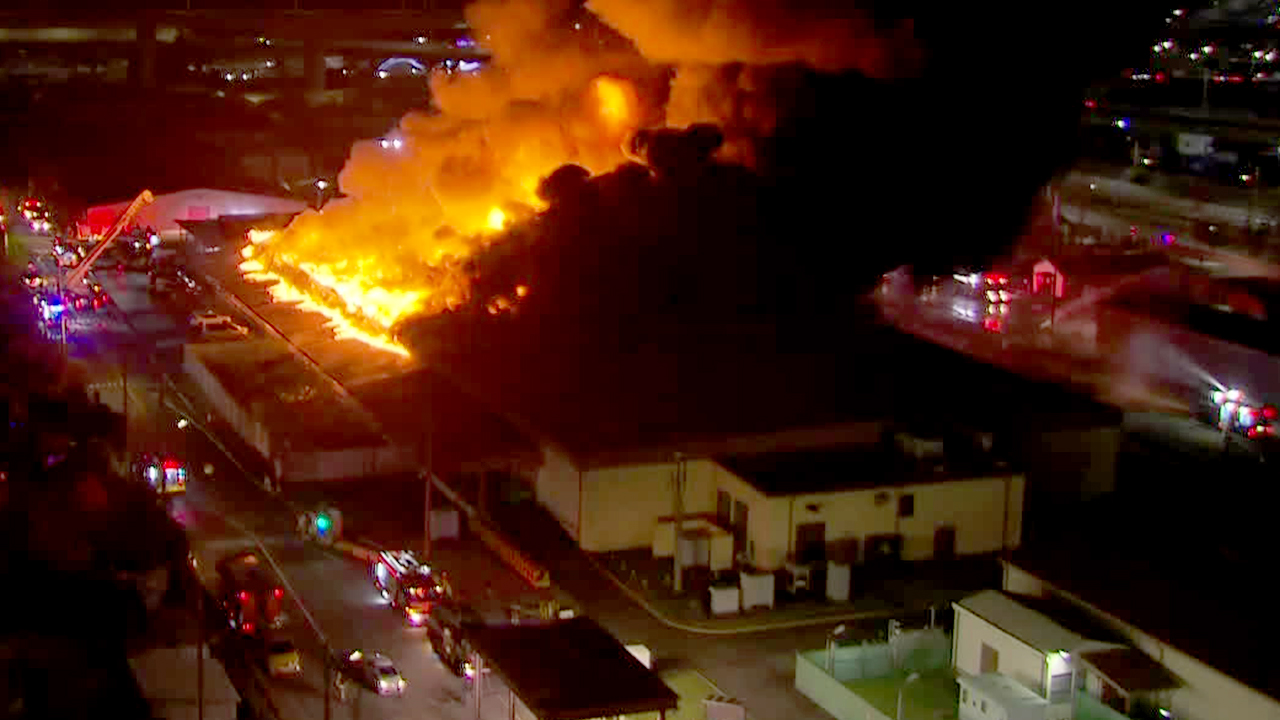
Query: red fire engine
[409, 585]
[252, 596]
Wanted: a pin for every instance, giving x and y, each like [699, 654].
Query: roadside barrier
[534, 574]
[355, 550]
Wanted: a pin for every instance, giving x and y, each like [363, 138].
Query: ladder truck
[77, 273]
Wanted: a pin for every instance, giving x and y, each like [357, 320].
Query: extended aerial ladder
[77, 273]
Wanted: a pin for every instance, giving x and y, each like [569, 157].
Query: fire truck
[1232, 411]
[410, 586]
[251, 594]
[166, 476]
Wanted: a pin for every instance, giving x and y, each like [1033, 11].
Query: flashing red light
[1161, 77]
[1270, 412]
[278, 593]
[1091, 103]
[171, 465]
[242, 596]
[248, 627]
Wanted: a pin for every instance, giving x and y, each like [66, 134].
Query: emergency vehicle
[252, 595]
[447, 638]
[166, 476]
[410, 586]
[1234, 412]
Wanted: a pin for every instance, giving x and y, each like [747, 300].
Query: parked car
[282, 657]
[373, 670]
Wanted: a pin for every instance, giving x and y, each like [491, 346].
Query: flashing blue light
[323, 524]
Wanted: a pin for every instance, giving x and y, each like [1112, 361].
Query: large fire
[325, 261]
[421, 203]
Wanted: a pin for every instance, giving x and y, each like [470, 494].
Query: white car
[222, 331]
[200, 319]
[375, 671]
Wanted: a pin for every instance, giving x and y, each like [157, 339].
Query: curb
[743, 630]
[355, 550]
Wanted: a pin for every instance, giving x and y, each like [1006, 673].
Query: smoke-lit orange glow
[398, 245]
[413, 214]
[616, 100]
[497, 219]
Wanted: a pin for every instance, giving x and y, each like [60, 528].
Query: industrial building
[851, 504]
[170, 209]
[1177, 653]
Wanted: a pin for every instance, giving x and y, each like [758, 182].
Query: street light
[321, 186]
[833, 639]
[910, 679]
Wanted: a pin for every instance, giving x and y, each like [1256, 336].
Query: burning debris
[422, 204]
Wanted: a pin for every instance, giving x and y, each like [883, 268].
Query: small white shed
[993, 696]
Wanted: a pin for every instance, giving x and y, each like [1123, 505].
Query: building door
[724, 509]
[944, 543]
[811, 543]
[989, 662]
[739, 528]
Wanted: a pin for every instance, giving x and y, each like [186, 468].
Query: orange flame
[616, 102]
[368, 263]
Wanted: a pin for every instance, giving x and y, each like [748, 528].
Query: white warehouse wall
[1016, 659]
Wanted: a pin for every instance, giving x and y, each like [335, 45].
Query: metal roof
[1130, 670]
[570, 670]
[1021, 622]
[297, 405]
[853, 468]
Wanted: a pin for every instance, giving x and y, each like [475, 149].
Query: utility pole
[124, 388]
[428, 476]
[677, 481]
[160, 413]
[200, 655]
[328, 682]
